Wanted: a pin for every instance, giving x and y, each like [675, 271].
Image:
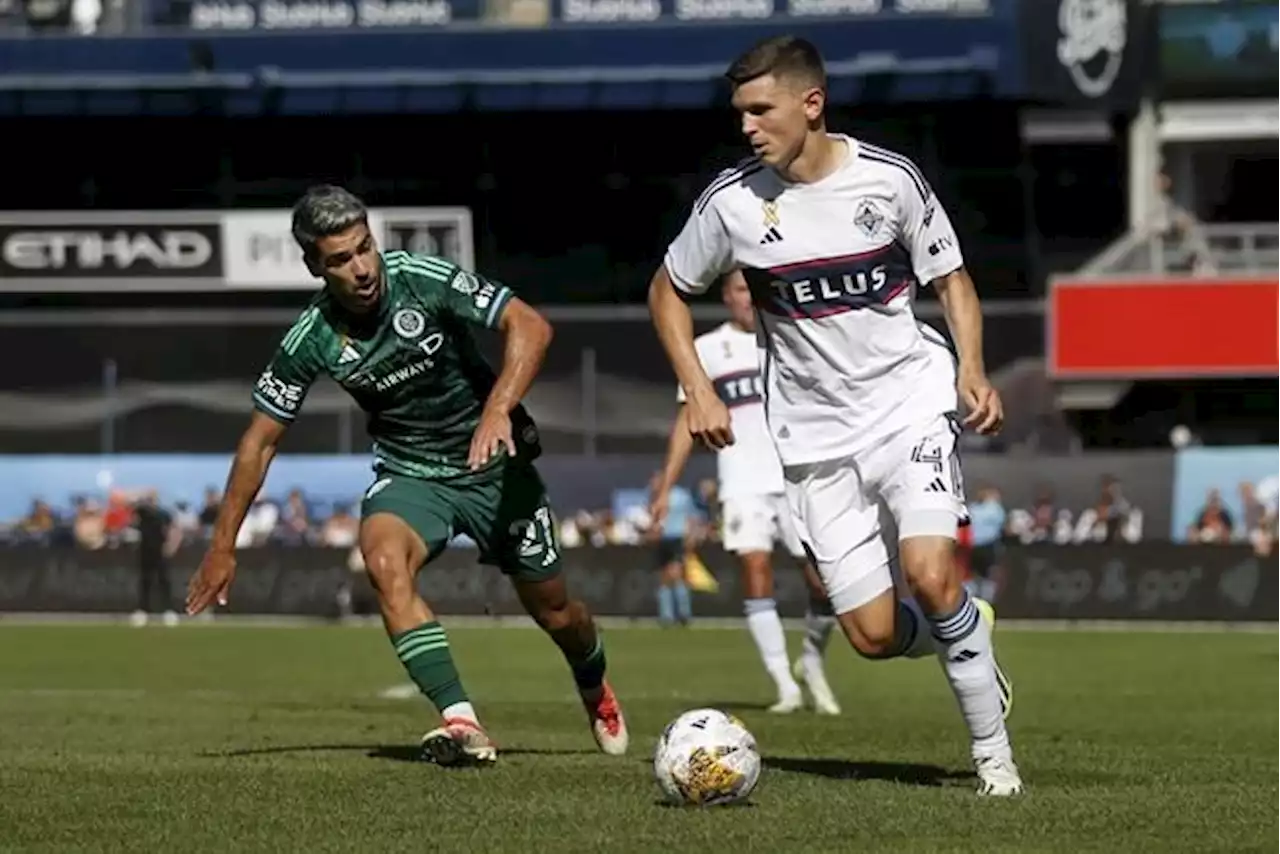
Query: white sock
[818, 623]
[964, 648]
[460, 710]
[766, 630]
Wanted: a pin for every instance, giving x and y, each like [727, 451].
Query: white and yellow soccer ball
[706, 757]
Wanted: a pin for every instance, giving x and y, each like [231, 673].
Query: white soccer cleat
[459, 742]
[988, 613]
[138, 619]
[997, 777]
[608, 726]
[812, 677]
[788, 703]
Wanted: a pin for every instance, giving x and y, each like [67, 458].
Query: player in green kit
[453, 451]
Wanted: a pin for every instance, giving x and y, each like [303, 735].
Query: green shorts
[509, 518]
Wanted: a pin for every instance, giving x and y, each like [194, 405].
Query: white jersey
[750, 466]
[833, 268]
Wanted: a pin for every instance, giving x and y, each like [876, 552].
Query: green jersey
[412, 365]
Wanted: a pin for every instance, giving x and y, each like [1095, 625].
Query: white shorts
[852, 512]
[753, 523]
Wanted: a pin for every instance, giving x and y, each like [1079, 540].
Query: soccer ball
[706, 757]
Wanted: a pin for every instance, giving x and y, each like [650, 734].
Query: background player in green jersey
[453, 451]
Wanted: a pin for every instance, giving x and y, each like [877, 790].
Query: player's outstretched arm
[526, 337]
[708, 418]
[963, 311]
[254, 452]
[679, 446]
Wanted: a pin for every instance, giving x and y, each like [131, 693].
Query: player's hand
[986, 412]
[493, 433]
[212, 581]
[709, 422]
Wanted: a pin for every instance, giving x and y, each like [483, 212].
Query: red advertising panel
[1170, 328]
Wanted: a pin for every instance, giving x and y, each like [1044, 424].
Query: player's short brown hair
[781, 56]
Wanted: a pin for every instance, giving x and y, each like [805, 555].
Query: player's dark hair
[325, 210]
[781, 56]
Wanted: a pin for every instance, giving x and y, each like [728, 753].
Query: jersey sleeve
[475, 299]
[284, 384]
[701, 252]
[926, 229]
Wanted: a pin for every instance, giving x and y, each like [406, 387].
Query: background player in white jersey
[755, 514]
[834, 235]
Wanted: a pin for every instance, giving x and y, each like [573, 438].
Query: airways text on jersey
[825, 286]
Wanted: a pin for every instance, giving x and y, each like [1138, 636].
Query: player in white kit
[754, 510]
[834, 236]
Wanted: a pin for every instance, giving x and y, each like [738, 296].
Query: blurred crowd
[1215, 523]
[89, 522]
[93, 523]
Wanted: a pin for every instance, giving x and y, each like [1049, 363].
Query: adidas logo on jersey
[349, 354]
[937, 486]
[771, 236]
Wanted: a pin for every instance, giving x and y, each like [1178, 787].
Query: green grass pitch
[276, 739]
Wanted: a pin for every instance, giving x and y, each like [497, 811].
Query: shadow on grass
[846, 769]
[394, 752]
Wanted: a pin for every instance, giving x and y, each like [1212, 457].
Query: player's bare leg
[569, 624]
[393, 552]
[963, 640]
[819, 620]
[766, 629]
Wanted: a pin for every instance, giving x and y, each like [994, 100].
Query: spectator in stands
[119, 516]
[570, 533]
[1186, 247]
[295, 519]
[1213, 524]
[1262, 514]
[987, 527]
[186, 520]
[259, 524]
[209, 512]
[39, 523]
[1112, 511]
[89, 529]
[340, 530]
[1043, 515]
[158, 541]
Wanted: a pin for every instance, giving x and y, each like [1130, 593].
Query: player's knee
[929, 565]
[757, 575]
[869, 639]
[558, 616]
[389, 573]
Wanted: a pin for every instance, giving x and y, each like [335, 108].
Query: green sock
[424, 652]
[589, 672]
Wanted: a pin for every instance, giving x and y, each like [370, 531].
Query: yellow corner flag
[698, 577]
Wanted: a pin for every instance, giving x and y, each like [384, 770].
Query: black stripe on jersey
[734, 176]
[880, 155]
[739, 388]
[821, 287]
[726, 174]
